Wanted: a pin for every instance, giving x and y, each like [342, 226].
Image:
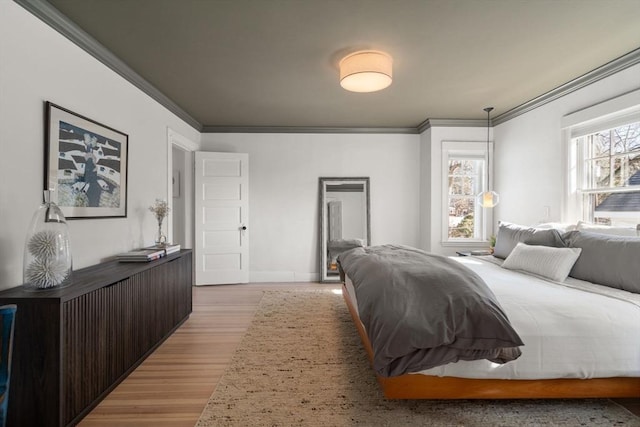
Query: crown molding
[625, 61]
[461, 123]
[308, 129]
[429, 123]
[59, 22]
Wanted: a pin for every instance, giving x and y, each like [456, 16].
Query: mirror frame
[323, 182]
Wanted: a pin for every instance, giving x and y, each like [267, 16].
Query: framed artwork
[85, 165]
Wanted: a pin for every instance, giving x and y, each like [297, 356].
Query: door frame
[175, 139]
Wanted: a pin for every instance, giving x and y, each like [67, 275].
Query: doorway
[180, 189]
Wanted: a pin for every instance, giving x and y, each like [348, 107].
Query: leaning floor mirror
[344, 221]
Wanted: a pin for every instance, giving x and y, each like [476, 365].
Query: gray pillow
[612, 261]
[509, 235]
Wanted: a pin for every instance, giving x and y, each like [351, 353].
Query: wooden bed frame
[417, 386]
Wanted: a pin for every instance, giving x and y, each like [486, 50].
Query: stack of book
[141, 255]
[171, 248]
[148, 254]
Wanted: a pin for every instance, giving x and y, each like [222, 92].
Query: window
[609, 174]
[464, 177]
[603, 178]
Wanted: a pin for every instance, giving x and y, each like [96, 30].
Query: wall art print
[85, 165]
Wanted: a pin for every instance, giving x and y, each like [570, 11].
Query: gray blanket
[422, 310]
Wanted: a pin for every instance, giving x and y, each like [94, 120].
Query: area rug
[301, 363]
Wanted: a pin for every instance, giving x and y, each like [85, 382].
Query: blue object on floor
[7, 320]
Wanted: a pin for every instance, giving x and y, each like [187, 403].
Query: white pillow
[605, 229]
[562, 227]
[545, 261]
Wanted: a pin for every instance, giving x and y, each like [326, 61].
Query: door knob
[244, 227]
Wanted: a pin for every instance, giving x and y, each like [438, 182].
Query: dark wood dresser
[73, 345]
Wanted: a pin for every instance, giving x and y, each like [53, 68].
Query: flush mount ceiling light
[488, 198]
[366, 71]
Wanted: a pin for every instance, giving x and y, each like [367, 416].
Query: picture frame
[86, 165]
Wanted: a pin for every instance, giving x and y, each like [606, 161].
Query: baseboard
[282, 276]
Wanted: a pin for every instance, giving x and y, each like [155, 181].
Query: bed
[581, 338]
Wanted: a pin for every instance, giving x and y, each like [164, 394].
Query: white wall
[529, 152]
[425, 190]
[283, 193]
[36, 65]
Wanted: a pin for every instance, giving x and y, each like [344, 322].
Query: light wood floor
[173, 385]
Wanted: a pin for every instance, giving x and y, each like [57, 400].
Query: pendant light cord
[488, 110]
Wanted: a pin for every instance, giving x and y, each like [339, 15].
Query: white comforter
[572, 330]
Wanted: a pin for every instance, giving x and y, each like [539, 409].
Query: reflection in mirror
[344, 221]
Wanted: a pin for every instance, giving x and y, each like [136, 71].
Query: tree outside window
[465, 182]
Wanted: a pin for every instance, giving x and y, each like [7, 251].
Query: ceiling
[273, 63]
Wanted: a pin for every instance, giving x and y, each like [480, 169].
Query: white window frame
[466, 150]
[612, 113]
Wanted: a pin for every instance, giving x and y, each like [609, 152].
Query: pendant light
[488, 198]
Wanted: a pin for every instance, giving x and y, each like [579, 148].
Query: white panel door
[222, 213]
